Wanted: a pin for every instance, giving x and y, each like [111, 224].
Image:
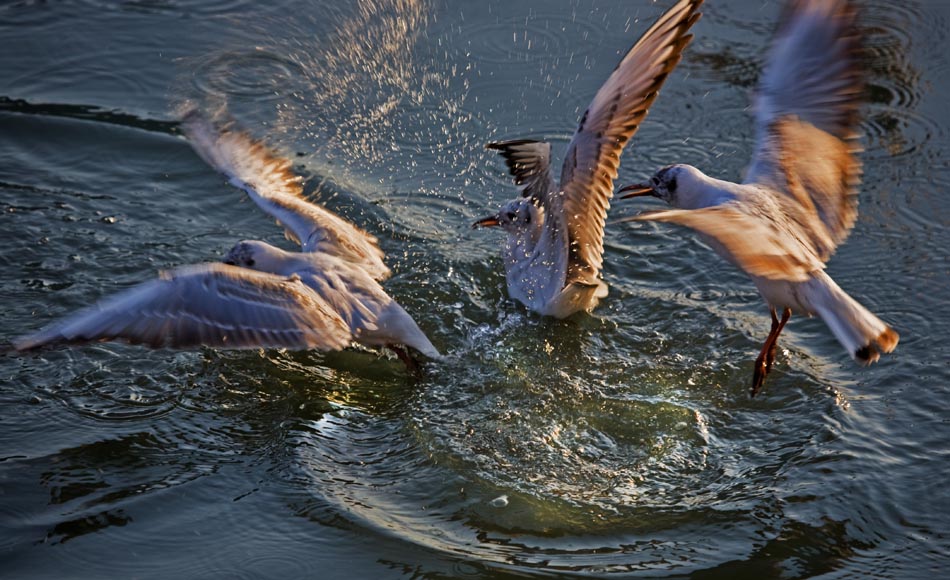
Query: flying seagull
[323, 297]
[555, 246]
[799, 198]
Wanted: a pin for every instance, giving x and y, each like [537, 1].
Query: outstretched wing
[206, 304]
[530, 163]
[593, 156]
[269, 181]
[807, 112]
[749, 241]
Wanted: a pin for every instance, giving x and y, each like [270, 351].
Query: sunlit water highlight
[621, 442]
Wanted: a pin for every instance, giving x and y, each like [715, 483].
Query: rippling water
[622, 442]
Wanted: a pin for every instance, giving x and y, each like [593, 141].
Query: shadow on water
[87, 113]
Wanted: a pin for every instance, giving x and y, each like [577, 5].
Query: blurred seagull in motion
[799, 198]
[554, 252]
[323, 297]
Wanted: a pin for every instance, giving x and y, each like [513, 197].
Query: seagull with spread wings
[800, 196]
[323, 297]
[555, 246]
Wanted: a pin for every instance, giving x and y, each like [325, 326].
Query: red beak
[636, 190]
[489, 222]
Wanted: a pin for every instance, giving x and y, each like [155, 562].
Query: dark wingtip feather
[866, 354]
[504, 145]
[882, 343]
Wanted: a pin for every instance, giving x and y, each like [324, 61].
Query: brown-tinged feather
[593, 156]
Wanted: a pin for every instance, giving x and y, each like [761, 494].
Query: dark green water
[624, 442]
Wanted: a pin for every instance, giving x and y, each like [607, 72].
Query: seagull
[555, 245]
[323, 297]
[799, 198]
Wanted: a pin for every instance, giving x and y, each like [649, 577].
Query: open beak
[636, 190]
[489, 222]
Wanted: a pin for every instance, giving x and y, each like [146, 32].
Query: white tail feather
[864, 335]
[395, 326]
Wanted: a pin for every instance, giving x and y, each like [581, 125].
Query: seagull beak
[489, 222]
[636, 190]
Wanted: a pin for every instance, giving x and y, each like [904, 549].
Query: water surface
[621, 442]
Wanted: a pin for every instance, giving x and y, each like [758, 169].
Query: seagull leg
[770, 358]
[763, 364]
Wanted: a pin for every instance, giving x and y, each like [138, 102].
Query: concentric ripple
[514, 461]
[257, 74]
[536, 36]
[896, 85]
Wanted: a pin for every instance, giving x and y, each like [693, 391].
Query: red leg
[763, 364]
[770, 358]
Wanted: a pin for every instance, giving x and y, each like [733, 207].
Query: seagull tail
[394, 325]
[863, 334]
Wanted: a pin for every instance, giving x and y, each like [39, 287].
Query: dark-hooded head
[260, 256]
[681, 186]
[517, 216]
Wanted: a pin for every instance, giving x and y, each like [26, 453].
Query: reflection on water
[621, 442]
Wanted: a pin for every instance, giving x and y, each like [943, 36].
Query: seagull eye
[250, 262]
[512, 215]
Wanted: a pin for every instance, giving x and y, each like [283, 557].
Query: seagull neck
[295, 262]
[284, 263]
[521, 243]
[525, 236]
[706, 192]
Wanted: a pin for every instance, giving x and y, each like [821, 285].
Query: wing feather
[268, 179]
[530, 163]
[813, 69]
[206, 304]
[750, 241]
[614, 115]
[807, 114]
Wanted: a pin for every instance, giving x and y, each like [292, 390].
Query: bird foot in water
[412, 365]
[760, 371]
[763, 364]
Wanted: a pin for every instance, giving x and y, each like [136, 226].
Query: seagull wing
[269, 181]
[206, 304]
[749, 241]
[807, 113]
[530, 164]
[593, 155]
[373, 317]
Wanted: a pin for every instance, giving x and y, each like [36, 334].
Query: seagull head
[677, 185]
[256, 255]
[517, 216]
